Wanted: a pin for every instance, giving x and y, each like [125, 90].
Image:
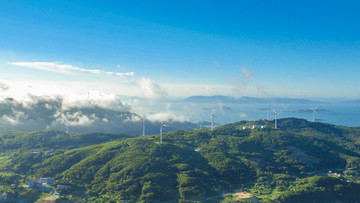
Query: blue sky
[183, 48]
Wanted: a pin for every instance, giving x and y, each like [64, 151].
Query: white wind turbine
[212, 120]
[67, 125]
[314, 112]
[161, 131]
[276, 113]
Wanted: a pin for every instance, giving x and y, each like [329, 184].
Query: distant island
[256, 100]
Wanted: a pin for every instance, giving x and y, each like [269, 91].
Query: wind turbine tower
[67, 126]
[276, 113]
[212, 120]
[161, 131]
[314, 112]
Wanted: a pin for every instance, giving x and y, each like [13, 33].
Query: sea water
[334, 113]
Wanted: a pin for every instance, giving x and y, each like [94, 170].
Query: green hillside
[52, 140]
[28, 148]
[289, 164]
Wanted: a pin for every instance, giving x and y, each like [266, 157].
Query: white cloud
[166, 116]
[21, 89]
[95, 98]
[48, 106]
[133, 118]
[57, 67]
[28, 93]
[151, 89]
[81, 119]
[10, 120]
[14, 118]
[241, 86]
[249, 76]
[60, 118]
[74, 119]
[3, 86]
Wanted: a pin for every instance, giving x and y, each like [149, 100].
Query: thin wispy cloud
[243, 86]
[58, 67]
[248, 75]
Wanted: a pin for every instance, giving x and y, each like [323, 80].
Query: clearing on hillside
[245, 196]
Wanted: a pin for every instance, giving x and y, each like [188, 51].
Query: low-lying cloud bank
[95, 111]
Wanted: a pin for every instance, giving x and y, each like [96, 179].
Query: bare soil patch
[245, 196]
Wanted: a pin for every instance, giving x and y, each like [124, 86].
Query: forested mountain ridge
[282, 165]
